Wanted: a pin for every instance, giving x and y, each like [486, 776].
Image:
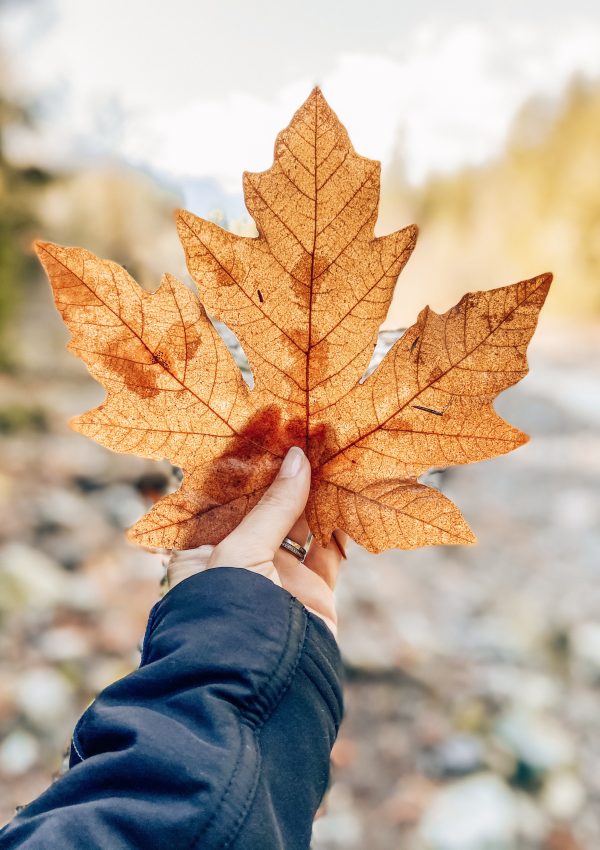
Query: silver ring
[293, 548]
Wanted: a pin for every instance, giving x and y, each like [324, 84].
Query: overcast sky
[193, 88]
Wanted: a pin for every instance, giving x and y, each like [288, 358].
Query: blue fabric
[221, 738]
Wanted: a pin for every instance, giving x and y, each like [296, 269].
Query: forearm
[220, 739]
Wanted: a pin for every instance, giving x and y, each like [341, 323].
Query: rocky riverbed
[473, 674]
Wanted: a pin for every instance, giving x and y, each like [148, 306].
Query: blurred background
[473, 674]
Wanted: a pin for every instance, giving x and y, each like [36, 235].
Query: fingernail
[291, 463]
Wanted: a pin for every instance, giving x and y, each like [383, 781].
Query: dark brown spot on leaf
[138, 376]
[428, 410]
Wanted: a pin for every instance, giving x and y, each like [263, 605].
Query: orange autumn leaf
[305, 298]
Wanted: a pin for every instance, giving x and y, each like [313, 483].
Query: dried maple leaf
[306, 299]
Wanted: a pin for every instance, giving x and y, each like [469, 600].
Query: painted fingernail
[291, 463]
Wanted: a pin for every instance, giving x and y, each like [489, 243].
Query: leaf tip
[77, 423]
[316, 94]
[181, 217]
[139, 535]
[463, 534]
[184, 222]
[545, 280]
[80, 423]
[471, 539]
[41, 248]
[133, 535]
[413, 233]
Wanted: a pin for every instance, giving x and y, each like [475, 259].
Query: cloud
[136, 84]
[451, 98]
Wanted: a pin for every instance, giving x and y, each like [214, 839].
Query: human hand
[255, 544]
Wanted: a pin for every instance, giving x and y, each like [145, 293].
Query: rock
[121, 504]
[58, 507]
[561, 838]
[376, 634]
[8, 710]
[84, 593]
[71, 547]
[409, 800]
[537, 741]
[575, 509]
[18, 753]
[563, 795]
[478, 813]
[69, 526]
[64, 643]
[72, 456]
[458, 756]
[532, 822]
[102, 672]
[584, 642]
[30, 579]
[367, 652]
[344, 752]
[44, 697]
[340, 826]
[536, 691]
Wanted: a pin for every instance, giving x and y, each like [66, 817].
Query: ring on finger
[293, 548]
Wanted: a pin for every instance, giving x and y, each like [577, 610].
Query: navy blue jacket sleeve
[221, 738]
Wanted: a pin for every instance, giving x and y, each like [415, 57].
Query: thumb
[258, 536]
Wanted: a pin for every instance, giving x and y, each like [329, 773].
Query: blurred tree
[536, 208]
[560, 178]
[118, 213]
[18, 189]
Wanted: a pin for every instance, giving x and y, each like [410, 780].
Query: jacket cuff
[273, 633]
